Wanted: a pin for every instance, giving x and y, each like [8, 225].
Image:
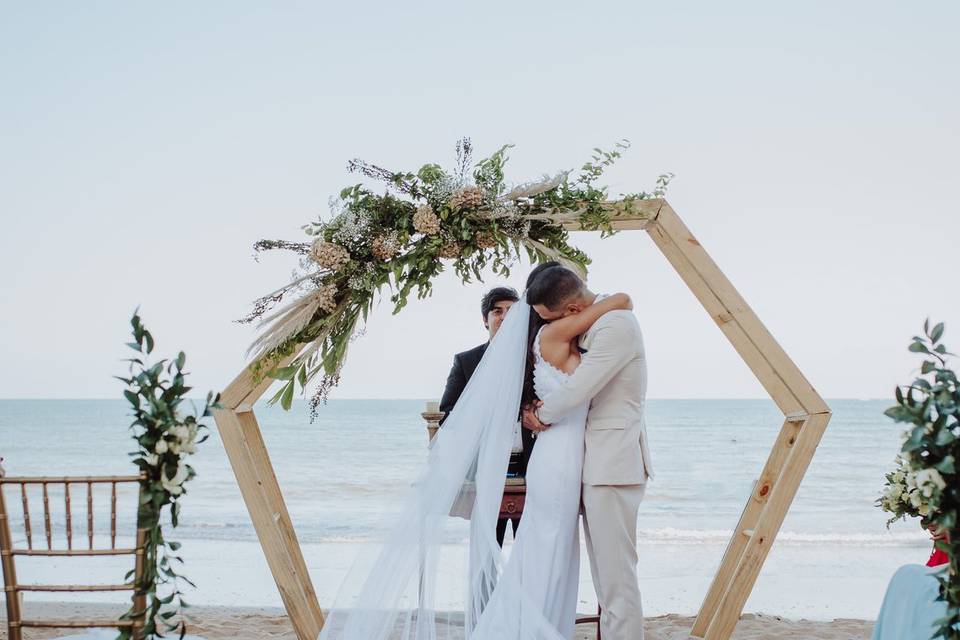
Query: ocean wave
[671, 535]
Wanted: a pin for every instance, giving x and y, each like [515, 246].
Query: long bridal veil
[392, 594]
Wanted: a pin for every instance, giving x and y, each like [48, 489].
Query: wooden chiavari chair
[13, 590]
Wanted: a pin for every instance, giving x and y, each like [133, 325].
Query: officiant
[493, 308]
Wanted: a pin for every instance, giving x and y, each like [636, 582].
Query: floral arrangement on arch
[469, 218]
[926, 482]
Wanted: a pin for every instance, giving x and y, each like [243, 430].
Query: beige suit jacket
[613, 373]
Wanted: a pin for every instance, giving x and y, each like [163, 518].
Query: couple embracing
[572, 364]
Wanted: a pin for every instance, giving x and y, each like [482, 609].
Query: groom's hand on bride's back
[530, 419]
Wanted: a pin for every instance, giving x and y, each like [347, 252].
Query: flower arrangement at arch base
[469, 218]
[165, 436]
[926, 482]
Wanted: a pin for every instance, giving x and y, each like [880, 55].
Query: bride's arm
[566, 329]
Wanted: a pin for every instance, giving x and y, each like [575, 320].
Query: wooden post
[139, 596]
[261, 492]
[806, 415]
[748, 522]
[748, 566]
[12, 597]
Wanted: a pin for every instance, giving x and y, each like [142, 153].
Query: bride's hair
[529, 393]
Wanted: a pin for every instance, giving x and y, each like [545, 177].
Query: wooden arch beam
[805, 418]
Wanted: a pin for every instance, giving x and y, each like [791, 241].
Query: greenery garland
[931, 449]
[468, 217]
[164, 437]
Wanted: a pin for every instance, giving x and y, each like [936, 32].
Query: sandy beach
[265, 623]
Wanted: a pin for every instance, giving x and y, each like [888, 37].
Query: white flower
[161, 446]
[923, 509]
[189, 447]
[916, 499]
[180, 432]
[930, 481]
[151, 459]
[173, 485]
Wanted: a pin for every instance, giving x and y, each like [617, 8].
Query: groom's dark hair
[553, 285]
[540, 268]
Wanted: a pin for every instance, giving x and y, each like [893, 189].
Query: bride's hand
[530, 419]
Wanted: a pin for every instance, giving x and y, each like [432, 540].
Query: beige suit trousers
[610, 525]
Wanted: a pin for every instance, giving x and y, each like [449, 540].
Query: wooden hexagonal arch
[805, 418]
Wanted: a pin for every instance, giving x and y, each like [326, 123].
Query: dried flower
[450, 250]
[329, 255]
[364, 278]
[384, 247]
[326, 296]
[486, 240]
[516, 226]
[425, 221]
[466, 198]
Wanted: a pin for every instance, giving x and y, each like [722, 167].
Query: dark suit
[464, 364]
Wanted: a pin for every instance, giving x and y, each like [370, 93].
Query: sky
[144, 148]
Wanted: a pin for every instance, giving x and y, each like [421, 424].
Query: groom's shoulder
[619, 319]
[473, 354]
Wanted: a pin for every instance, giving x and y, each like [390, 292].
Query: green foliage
[164, 437]
[930, 406]
[480, 224]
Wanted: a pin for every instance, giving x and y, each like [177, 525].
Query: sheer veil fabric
[391, 594]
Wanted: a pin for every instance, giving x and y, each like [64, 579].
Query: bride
[532, 595]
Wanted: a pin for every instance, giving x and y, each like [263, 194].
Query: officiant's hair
[495, 295]
[552, 284]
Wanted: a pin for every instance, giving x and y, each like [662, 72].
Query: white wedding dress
[532, 595]
[545, 559]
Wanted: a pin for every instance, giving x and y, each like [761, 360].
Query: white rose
[161, 446]
[895, 492]
[189, 447]
[175, 447]
[916, 499]
[174, 485]
[911, 480]
[923, 509]
[937, 479]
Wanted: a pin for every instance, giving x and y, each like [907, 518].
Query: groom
[613, 376]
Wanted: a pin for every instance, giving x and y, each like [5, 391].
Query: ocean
[343, 473]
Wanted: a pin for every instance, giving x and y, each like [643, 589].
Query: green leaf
[286, 400]
[284, 373]
[131, 397]
[937, 332]
[918, 347]
[946, 465]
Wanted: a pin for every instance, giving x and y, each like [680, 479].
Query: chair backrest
[13, 590]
